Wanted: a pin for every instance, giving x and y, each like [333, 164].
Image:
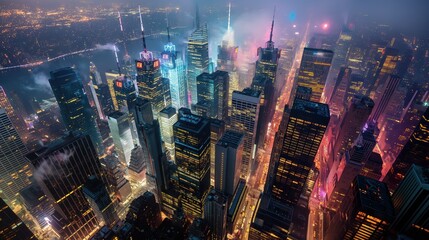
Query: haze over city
[200, 119]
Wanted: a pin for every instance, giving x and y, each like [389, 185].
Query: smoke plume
[51, 166]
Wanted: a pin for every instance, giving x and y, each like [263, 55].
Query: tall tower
[213, 90]
[198, 56]
[414, 152]
[149, 79]
[120, 131]
[167, 118]
[75, 110]
[125, 94]
[11, 226]
[192, 137]
[353, 123]
[338, 101]
[14, 170]
[15, 118]
[244, 119]
[381, 103]
[410, 201]
[268, 58]
[226, 60]
[173, 67]
[215, 213]
[304, 132]
[61, 169]
[313, 71]
[229, 150]
[365, 214]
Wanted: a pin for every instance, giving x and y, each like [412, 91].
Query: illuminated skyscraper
[125, 94]
[305, 129]
[14, 170]
[167, 118]
[244, 119]
[15, 118]
[11, 227]
[314, 69]
[415, 151]
[173, 67]
[120, 131]
[268, 58]
[410, 201]
[229, 150]
[213, 90]
[198, 56]
[192, 138]
[76, 112]
[365, 213]
[217, 128]
[115, 177]
[111, 77]
[95, 81]
[387, 66]
[61, 169]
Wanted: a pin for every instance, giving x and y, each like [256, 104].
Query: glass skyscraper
[75, 110]
[173, 67]
[192, 139]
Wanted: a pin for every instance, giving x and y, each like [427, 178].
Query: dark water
[34, 82]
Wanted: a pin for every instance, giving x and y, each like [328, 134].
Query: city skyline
[218, 120]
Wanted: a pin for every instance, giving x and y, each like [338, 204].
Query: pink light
[325, 26]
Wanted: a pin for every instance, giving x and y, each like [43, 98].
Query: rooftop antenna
[123, 33]
[168, 28]
[117, 59]
[229, 16]
[197, 17]
[272, 25]
[142, 29]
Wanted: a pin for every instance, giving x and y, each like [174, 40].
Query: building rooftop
[116, 114]
[311, 108]
[249, 92]
[191, 122]
[373, 197]
[361, 101]
[231, 138]
[167, 112]
[237, 198]
[422, 173]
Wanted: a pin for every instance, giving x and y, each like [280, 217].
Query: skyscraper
[11, 227]
[61, 169]
[353, 122]
[96, 193]
[16, 119]
[213, 90]
[14, 170]
[365, 214]
[198, 56]
[76, 112]
[414, 152]
[173, 67]
[145, 215]
[167, 118]
[125, 93]
[120, 131]
[387, 66]
[314, 69]
[410, 201]
[244, 119]
[229, 150]
[215, 212]
[388, 89]
[268, 58]
[338, 101]
[305, 129]
[192, 138]
[217, 129]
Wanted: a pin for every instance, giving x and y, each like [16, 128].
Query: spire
[272, 25]
[168, 28]
[142, 29]
[229, 16]
[117, 60]
[123, 34]
[197, 15]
